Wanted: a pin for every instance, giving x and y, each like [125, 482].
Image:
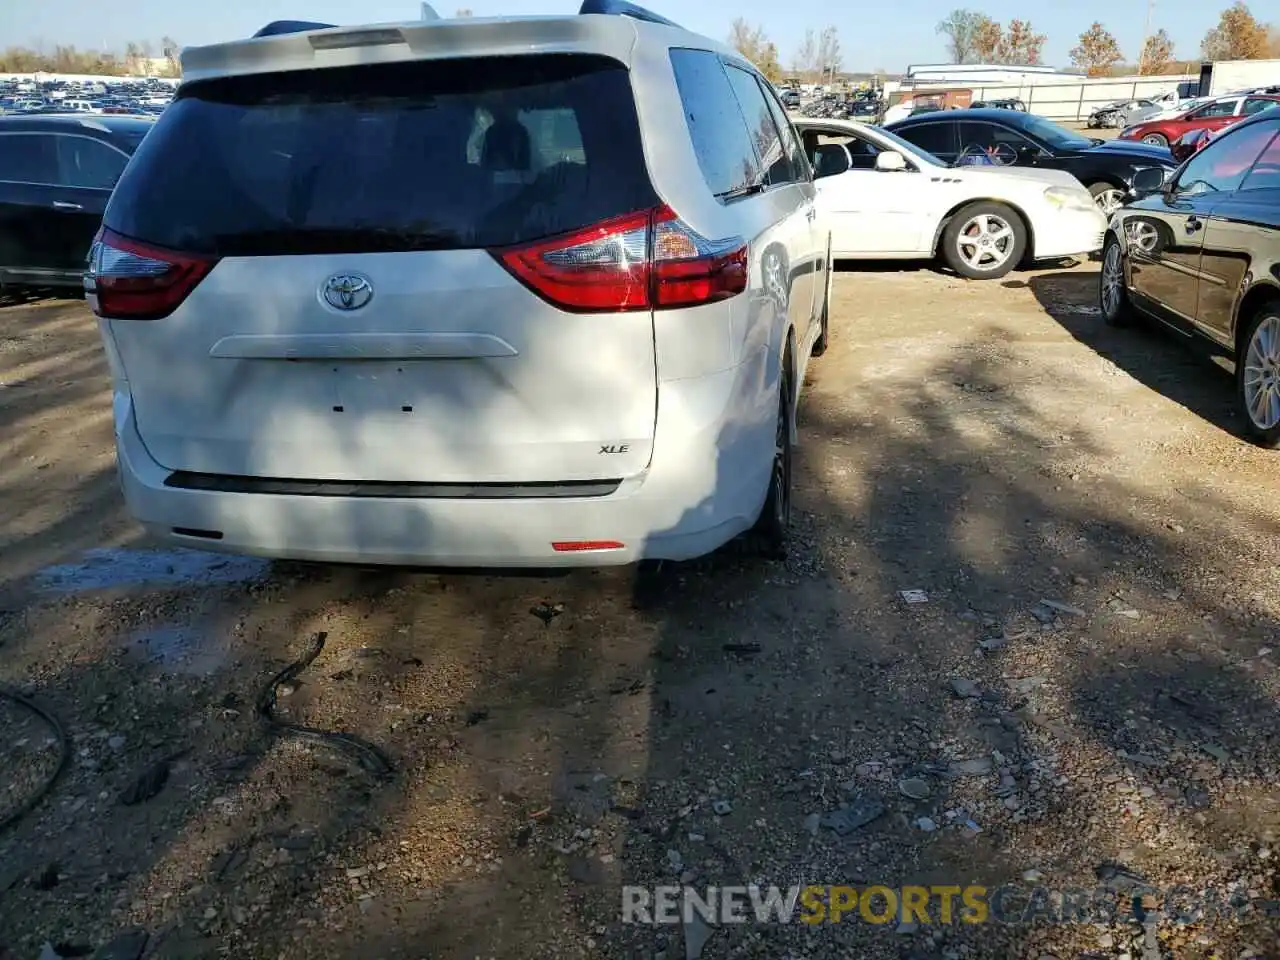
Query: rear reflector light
[134, 281]
[577, 546]
[641, 261]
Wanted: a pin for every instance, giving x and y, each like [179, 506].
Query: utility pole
[1146, 35]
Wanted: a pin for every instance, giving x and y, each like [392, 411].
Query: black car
[1199, 254]
[56, 174]
[1106, 167]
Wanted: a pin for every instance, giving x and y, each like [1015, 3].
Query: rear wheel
[1156, 139]
[1258, 376]
[772, 529]
[984, 241]
[1113, 296]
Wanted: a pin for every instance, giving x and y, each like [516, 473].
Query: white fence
[1065, 98]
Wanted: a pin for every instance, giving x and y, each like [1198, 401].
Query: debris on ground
[857, 814]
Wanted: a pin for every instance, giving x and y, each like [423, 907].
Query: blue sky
[888, 35]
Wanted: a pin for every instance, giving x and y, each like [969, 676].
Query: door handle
[811, 214]
[1194, 224]
[63, 205]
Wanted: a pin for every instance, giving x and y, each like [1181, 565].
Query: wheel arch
[1107, 177]
[1257, 295]
[947, 217]
[787, 363]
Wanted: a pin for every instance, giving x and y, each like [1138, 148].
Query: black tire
[1117, 311]
[772, 531]
[1260, 433]
[824, 329]
[1156, 139]
[962, 223]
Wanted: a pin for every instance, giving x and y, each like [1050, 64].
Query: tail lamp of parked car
[127, 280]
[649, 260]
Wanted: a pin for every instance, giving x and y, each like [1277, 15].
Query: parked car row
[1011, 138]
[1214, 114]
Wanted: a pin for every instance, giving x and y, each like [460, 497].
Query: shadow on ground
[1176, 368]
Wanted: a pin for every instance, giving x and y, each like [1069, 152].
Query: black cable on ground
[370, 757]
[64, 755]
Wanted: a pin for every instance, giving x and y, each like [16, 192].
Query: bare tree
[752, 42]
[170, 50]
[830, 58]
[464, 12]
[132, 59]
[960, 28]
[804, 63]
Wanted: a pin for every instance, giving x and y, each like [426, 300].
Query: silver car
[532, 291]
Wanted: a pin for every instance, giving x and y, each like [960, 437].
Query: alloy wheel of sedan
[1261, 380]
[1109, 200]
[1112, 282]
[985, 242]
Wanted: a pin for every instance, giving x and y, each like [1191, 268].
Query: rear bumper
[705, 485]
[1072, 233]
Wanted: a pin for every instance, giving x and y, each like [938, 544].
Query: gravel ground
[1087, 696]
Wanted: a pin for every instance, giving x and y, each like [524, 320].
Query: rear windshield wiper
[744, 191]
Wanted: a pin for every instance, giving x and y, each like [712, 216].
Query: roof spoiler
[278, 28]
[624, 8]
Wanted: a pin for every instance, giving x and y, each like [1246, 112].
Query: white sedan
[885, 198]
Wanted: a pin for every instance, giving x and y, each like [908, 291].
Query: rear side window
[1265, 173]
[450, 154]
[761, 126]
[28, 158]
[83, 162]
[1254, 105]
[720, 136]
[790, 142]
[936, 138]
[1222, 166]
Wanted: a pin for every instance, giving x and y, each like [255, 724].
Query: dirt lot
[991, 444]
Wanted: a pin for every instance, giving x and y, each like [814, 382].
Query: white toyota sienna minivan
[464, 292]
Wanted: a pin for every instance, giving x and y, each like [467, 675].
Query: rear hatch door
[357, 324]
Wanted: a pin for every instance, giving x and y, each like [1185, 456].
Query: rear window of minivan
[437, 154]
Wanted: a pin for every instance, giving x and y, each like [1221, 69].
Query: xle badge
[616, 448]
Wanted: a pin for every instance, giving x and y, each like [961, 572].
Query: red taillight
[580, 546]
[641, 261]
[128, 280]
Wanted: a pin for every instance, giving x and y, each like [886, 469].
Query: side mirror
[1149, 180]
[890, 161]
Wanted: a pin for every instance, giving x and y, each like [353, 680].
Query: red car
[1214, 115]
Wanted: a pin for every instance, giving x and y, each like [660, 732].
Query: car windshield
[1055, 136]
[910, 149]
